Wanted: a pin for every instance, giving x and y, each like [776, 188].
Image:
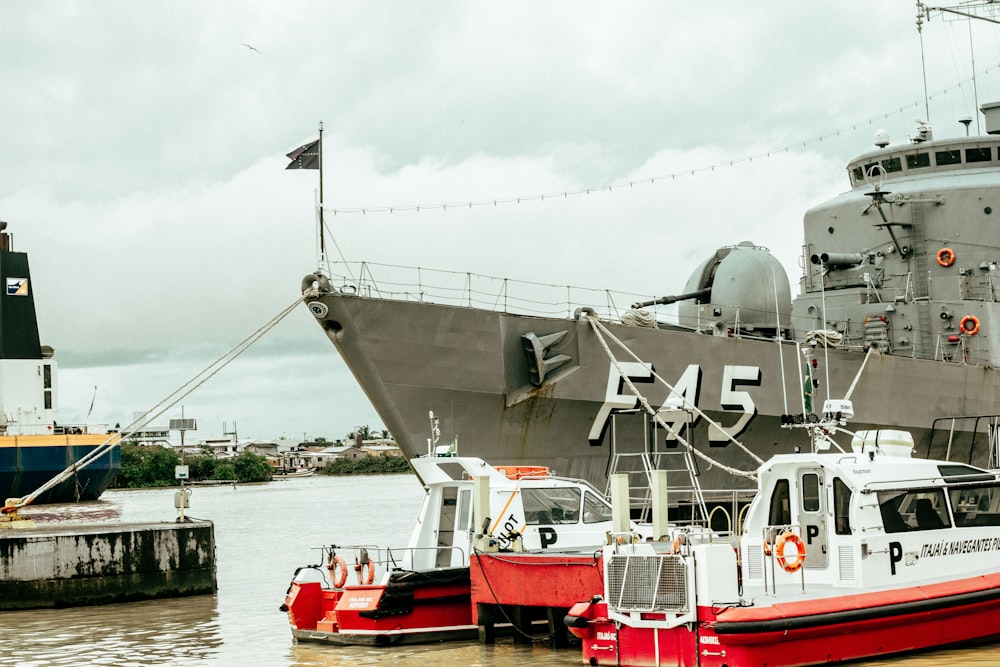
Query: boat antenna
[921, 12]
[826, 347]
[777, 337]
[435, 434]
[92, 399]
[925, 11]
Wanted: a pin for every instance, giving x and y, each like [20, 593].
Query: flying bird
[249, 47]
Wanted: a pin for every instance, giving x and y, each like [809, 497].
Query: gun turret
[699, 294]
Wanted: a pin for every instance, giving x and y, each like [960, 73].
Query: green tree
[146, 466]
[367, 465]
[225, 471]
[202, 466]
[251, 467]
[364, 431]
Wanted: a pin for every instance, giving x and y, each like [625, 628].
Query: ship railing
[643, 583]
[393, 558]
[963, 439]
[15, 428]
[507, 295]
[474, 290]
[956, 352]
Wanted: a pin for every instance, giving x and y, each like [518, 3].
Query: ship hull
[28, 462]
[470, 367]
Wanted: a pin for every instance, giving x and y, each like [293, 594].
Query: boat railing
[389, 558]
[956, 439]
[916, 483]
[422, 558]
[774, 553]
[508, 295]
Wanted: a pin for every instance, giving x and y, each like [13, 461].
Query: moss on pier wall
[106, 564]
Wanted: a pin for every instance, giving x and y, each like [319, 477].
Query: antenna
[93, 397]
[921, 11]
[925, 11]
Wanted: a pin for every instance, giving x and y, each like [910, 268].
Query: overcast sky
[143, 162]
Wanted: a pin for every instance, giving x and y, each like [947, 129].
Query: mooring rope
[868, 355]
[600, 330]
[157, 410]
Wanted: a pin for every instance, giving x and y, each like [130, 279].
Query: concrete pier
[102, 564]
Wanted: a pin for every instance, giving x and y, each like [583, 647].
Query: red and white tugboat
[421, 592]
[842, 556]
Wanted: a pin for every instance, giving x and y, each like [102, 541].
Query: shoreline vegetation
[151, 466]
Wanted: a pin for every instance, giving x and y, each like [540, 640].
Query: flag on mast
[807, 391]
[305, 156]
[310, 156]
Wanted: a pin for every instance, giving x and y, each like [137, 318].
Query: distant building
[342, 452]
[151, 435]
[262, 448]
[381, 448]
[314, 457]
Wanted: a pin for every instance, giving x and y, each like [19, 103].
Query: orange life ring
[790, 564]
[366, 571]
[946, 256]
[969, 330]
[338, 566]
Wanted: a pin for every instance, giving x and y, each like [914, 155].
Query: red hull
[406, 613]
[533, 580]
[802, 633]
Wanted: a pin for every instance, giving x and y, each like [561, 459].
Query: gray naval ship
[898, 301]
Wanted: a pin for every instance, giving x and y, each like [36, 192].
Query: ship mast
[923, 11]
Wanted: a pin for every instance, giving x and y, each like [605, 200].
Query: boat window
[892, 164]
[549, 506]
[976, 505]
[922, 509]
[956, 472]
[918, 161]
[984, 154]
[859, 175]
[595, 510]
[842, 506]
[464, 510]
[948, 157]
[810, 492]
[780, 513]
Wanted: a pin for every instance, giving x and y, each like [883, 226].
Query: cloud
[144, 162]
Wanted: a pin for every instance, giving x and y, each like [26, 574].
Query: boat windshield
[548, 506]
[918, 509]
[595, 510]
[976, 505]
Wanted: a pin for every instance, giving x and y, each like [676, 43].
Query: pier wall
[87, 565]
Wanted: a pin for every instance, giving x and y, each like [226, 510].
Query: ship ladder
[638, 466]
[686, 485]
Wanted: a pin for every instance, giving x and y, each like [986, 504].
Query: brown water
[263, 532]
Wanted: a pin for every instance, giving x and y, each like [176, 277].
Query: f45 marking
[731, 398]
